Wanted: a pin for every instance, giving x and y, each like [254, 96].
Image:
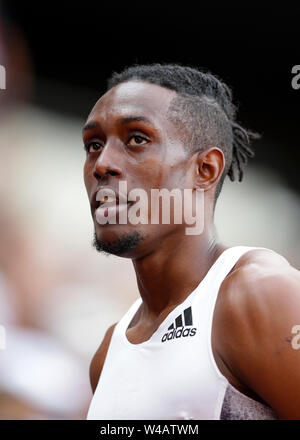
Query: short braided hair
[203, 111]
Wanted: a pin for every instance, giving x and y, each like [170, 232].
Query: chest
[169, 376]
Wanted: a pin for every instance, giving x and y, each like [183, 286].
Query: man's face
[129, 138]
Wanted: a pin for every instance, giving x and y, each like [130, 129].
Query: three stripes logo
[179, 329]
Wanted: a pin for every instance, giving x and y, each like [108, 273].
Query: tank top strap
[220, 269]
[224, 265]
[122, 325]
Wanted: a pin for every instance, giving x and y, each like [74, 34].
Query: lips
[106, 202]
[106, 196]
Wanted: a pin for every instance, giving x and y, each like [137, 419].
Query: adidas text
[178, 333]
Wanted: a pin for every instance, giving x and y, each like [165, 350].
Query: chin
[117, 243]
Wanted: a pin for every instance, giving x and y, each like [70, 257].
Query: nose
[106, 164]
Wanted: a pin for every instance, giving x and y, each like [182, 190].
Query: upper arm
[259, 310]
[98, 359]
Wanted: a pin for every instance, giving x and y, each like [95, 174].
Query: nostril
[96, 175]
[104, 167]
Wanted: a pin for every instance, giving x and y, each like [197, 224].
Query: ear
[209, 168]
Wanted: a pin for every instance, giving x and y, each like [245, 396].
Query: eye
[137, 140]
[93, 147]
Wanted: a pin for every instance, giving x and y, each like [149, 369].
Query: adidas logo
[178, 330]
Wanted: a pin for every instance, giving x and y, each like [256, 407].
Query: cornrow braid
[202, 111]
[241, 150]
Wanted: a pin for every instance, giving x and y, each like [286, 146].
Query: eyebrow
[90, 125]
[128, 119]
[124, 120]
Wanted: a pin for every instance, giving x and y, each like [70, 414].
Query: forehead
[133, 97]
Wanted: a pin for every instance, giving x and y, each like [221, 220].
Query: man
[212, 336]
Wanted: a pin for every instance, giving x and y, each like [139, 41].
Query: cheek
[157, 175]
[149, 174]
[174, 176]
[87, 174]
[178, 179]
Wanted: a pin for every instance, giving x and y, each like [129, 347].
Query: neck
[169, 274]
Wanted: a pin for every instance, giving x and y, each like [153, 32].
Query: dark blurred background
[57, 296]
[76, 46]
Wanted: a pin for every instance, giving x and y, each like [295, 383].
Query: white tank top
[173, 375]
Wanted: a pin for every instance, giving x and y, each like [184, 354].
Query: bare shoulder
[98, 359]
[260, 275]
[262, 285]
[257, 307]
[262, 258]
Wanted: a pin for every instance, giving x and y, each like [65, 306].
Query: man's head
[161, 126]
